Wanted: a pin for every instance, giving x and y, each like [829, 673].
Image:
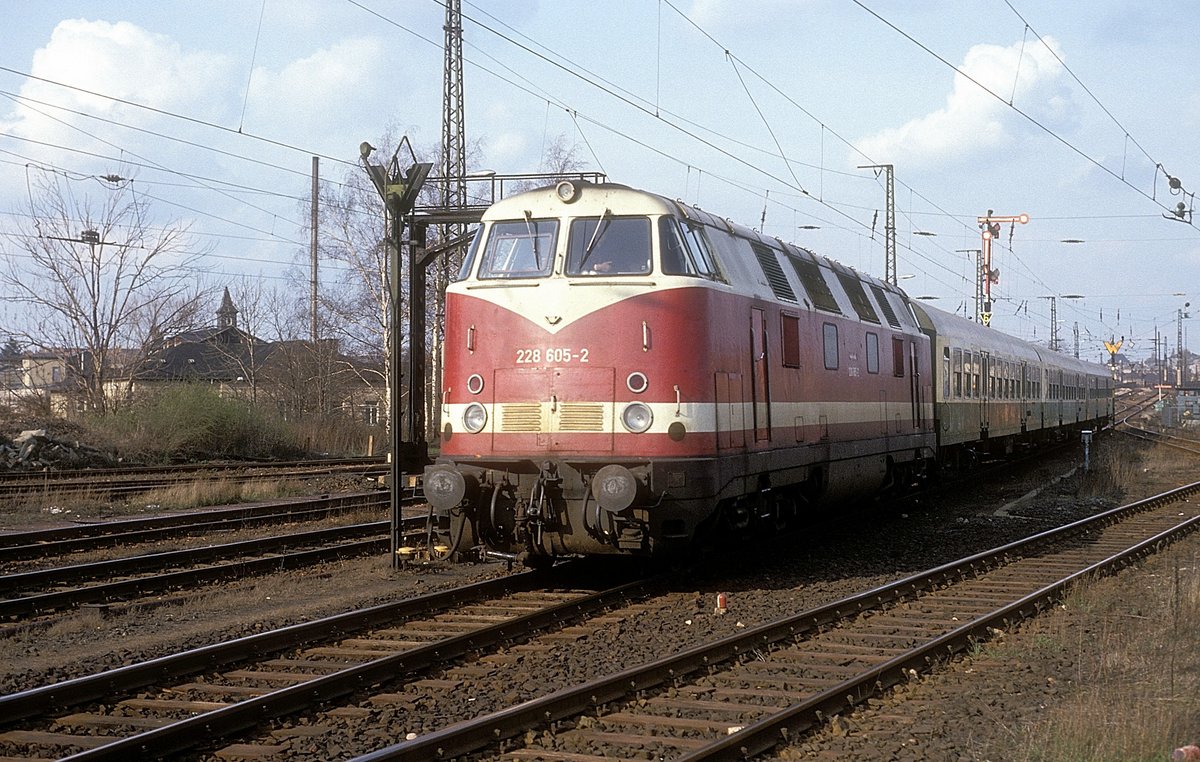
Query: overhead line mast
[454, 183]
[889, 224]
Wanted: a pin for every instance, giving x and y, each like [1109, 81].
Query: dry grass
[1111, 473]
[1131, 644]
[219, 492]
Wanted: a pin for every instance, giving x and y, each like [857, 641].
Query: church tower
[227, 314]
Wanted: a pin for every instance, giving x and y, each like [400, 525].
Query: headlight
[474, 418]
[637, 417]
[566, 191]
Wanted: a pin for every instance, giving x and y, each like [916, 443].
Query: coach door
[988, 384]
[914, 387]
[760, 381]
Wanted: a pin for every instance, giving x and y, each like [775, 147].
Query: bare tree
[356, 300]
[98, 282]
[562, 157]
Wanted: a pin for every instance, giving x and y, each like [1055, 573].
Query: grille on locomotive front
[529, 417]
[581, 416]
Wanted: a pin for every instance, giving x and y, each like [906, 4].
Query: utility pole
[313, 254]
[1076, 339]
[889, 224]
[1180, 350]
[989, 227]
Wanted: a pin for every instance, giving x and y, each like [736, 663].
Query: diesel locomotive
[624, 372]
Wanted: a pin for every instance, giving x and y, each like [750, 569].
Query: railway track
[747, 693]
[174, 703]
[124, 482]
[27, 592]
[782, 674]
[48, 543]
[1158, 437]
[38, 592]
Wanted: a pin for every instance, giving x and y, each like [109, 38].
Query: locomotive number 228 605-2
[557, 355]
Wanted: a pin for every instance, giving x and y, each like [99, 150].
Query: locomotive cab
[566, 361]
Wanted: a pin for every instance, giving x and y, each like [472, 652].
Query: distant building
[297, 378]
[33, 377]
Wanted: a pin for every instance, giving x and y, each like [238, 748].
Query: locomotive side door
[759, 378]
[731, 417]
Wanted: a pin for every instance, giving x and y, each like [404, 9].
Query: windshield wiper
[531, 229]
[587, 250]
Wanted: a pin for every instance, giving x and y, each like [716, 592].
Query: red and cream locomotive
[624, 371]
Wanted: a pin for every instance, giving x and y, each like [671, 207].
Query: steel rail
[42, 602]
[193, 731]
[474, 734]
[177, 468]
[127, 486]
[70, 546]
[770, 731]
[72, 693]
[232, 515]
[41, 578]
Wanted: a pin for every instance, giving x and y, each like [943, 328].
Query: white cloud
[973, 121]
[122, 60]
[509, 149]
[321, 91]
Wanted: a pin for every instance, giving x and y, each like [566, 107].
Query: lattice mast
[453, 187]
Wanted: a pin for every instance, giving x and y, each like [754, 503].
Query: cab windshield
[519, 249]
[609, 245]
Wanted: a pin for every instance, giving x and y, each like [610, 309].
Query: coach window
[608, 245]
[789, 331]
[897, 357]
[519, 249]
[831, 346]
[945, 372]
[958, 373]
[872, 353]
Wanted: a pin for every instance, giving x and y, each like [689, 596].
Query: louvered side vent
[581, 416]
[886, 306]
[810, 276]
[858, 297]
[775, 277]
[518, 417]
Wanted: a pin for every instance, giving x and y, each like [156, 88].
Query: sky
[762, 111]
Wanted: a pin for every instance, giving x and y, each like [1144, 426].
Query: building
[296, 378]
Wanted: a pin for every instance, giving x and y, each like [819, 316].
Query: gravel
[963, 710]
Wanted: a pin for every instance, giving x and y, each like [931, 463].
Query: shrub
[191, 421]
